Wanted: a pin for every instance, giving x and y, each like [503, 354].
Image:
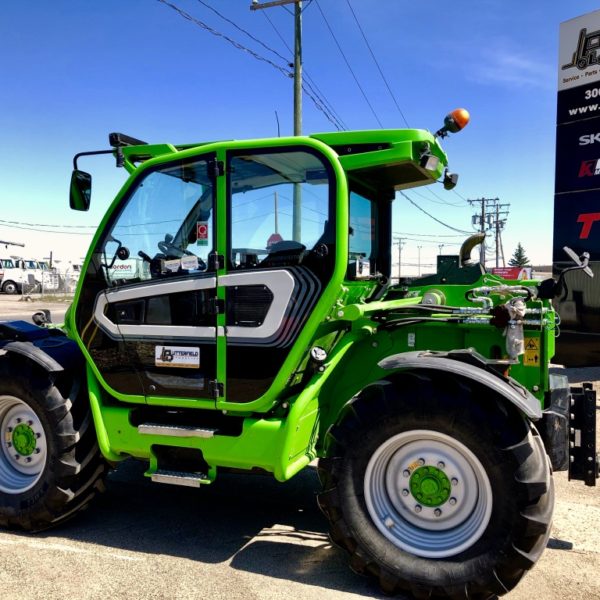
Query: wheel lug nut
[418, 508]
[454, 481]
[421, 461]
[389, 522]
[405, 492]
[437, 512]
[406, 473]
[9, 444]
[30, 423]
[441, 465]
[28, 459]
[37, 450]
[17, 456]
[38, 435]
[10, 429]
[19, 420]
[452, 501]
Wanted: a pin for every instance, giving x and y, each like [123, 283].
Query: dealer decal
[177, 356]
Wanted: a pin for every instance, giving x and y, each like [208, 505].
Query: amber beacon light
[455, 121]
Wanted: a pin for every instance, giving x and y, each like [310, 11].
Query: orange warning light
[455, 121]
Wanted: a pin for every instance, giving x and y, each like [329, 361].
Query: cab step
[184, 478]
[175, 430]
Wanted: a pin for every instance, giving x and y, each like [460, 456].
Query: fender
[477, 368]
[51, 349]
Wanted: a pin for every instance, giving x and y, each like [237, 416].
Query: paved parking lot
[246, 537]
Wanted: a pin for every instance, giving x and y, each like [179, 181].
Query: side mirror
[81, 190]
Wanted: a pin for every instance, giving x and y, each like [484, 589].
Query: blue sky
[71, 72]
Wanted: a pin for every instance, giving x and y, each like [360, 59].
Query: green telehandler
[235, 312]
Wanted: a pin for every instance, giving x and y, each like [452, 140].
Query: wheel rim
[428, 493]
[24, 446]
[10, 288]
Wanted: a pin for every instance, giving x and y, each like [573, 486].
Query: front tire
[10, 287]
[50, 464]
[435, 487]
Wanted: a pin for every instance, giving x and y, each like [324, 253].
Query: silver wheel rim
[21, 463]
[437, 531]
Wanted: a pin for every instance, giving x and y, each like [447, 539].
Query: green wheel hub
[24, 439]
[430, 486]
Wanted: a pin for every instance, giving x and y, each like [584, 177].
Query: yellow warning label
[531, 343]
[531, 358]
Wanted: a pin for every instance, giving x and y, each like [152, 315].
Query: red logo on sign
[587, 220]
[589, 168]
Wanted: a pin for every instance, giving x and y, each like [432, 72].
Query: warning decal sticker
[531, 357]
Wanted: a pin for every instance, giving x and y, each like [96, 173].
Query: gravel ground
[247, 538]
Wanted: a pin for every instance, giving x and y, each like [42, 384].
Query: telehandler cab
[235, 311]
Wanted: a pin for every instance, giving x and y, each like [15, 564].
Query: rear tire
[50, 464]
[393, 488]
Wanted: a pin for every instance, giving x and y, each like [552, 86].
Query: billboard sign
[577, 186]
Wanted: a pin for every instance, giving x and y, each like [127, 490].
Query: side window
[279, 209]
[362, 239]
[166, 227]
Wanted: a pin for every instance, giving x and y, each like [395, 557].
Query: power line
[438, 201]
[243, 48]
[216, 33]
[434, 218]
[426, 234]
[250, 35]
[309, 80]
[347, 63]
[377, 63]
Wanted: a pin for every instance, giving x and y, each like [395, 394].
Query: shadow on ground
[262, 526]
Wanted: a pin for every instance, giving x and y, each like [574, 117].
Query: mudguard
[49, 348]
[471, 365]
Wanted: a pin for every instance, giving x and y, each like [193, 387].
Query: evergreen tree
[519, 258]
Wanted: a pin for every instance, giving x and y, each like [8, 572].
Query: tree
[519, 258]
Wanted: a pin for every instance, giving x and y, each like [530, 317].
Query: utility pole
[499, 225]
[297, 204]
[401, 241]
[276, 208]
[419, 249]
[490, 218]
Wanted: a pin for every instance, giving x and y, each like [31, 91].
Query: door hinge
[217, 306]
[216, 388]
[216, 168]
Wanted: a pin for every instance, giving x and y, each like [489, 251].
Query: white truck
[13, 276]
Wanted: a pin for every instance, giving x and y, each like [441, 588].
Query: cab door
[147, 310]
[280, 256]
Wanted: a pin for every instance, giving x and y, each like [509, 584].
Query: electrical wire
[308, 79]
[250, 35]
[286, 72]
[434, 218]
[426, 234]
[439, 201]
[347, 63]
[387, 85]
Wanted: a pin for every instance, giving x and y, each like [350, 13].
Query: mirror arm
[93, 153]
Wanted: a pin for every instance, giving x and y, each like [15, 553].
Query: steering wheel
[169, 249]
